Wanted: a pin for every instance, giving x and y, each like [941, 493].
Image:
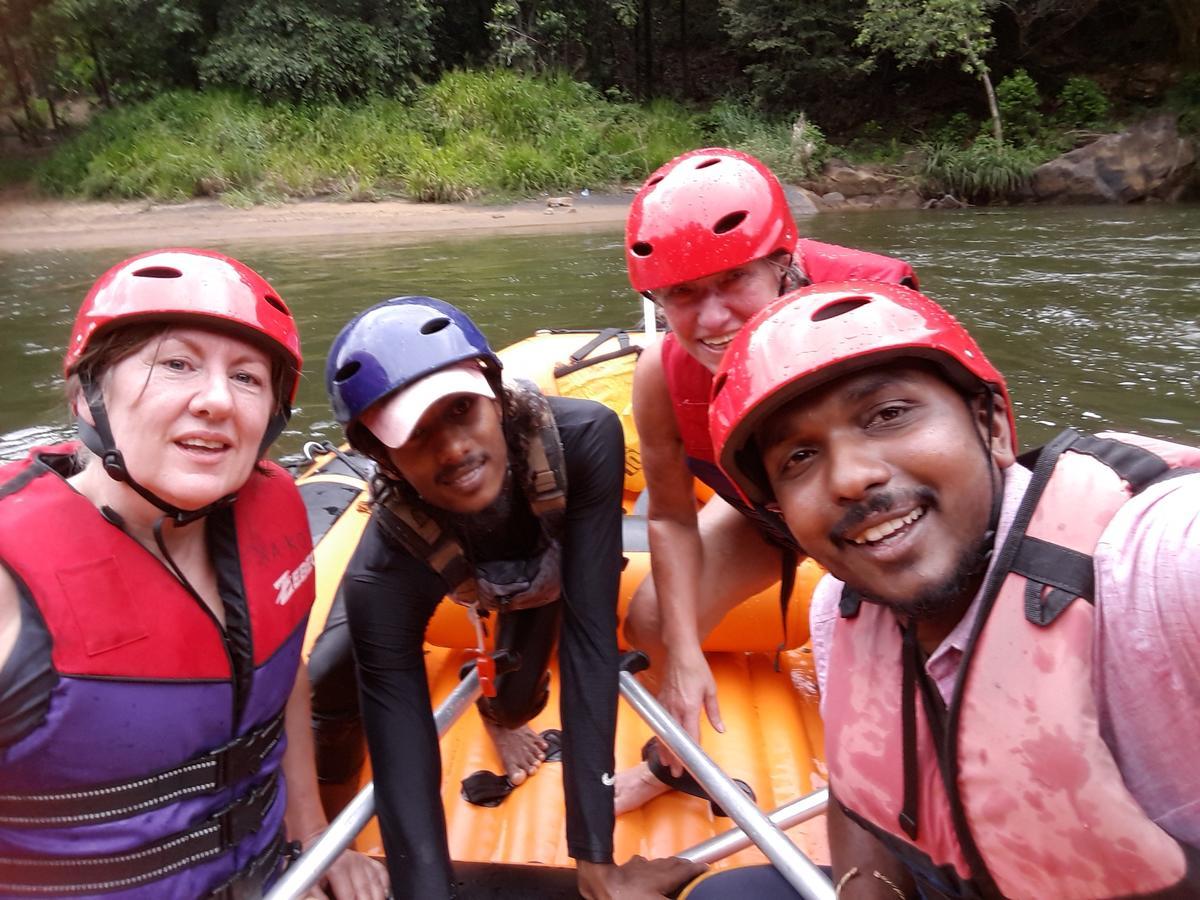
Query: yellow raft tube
[773, 738]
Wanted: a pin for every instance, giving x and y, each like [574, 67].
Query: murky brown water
[1092, 314]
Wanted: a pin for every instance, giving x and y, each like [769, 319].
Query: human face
[188, 411]
[456, 457]
[887, 478]
[707, 312]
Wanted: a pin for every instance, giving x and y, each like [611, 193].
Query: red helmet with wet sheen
[816, 334]
[702, 213]
[180, 284]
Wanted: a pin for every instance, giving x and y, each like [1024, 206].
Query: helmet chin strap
[997, 489]
[98, 438]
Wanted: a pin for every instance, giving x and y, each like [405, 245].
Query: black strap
[1067, 573]
[250, 883]
[35, 469]
[908, 719]
[685, 782]
[568, 368]
[66, 876]
[850, 603]
[787, 583]
[484, 788]
[1136, 466]
[203, 774]
[604, 335]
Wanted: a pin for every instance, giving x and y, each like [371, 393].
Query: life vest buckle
[244, 756]
[244, 816]
[486, 667]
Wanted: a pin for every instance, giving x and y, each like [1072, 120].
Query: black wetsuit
[389, 598]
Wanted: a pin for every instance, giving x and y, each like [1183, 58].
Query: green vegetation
[473, 133]
[1184, 99]
[445, 99]
[920, 31]
[1018, 100]
[1081, 103]
[984, 172]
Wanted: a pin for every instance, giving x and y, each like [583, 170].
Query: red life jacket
[162, 723]
[822, 262]
[1012, 792]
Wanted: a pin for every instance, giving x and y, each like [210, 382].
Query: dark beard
[955, 592]
[507, 529]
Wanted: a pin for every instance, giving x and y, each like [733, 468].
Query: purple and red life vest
[156, 769]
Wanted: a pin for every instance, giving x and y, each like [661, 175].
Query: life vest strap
[67, 876]
[202, 774]
[249, 883]
[1067, 573]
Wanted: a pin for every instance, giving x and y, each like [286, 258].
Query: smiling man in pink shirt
[1008, 649]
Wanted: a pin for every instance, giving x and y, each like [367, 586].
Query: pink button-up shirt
[1146, 672]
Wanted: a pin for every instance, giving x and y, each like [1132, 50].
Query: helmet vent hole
[708, 162]
[433, 326]
[641, 248]
[158, 272]
[839, 308]
[730, 222]
[653, 181]
[346, 372]
[719, 383]
[277, 303]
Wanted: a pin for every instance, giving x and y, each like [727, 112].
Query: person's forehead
[716, 276]
[852, 387]
[203, 338]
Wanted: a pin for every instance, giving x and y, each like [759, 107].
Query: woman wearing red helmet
[1003, 645]
[711, 240]
[154, 590]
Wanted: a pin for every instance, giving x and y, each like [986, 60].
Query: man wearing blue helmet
[511, 503]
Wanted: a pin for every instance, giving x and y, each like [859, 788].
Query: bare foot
[636, 787]
[521, 750]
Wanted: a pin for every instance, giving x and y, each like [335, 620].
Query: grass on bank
[472, 134]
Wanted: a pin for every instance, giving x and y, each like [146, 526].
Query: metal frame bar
[730, 842]
[793, 865]
[308, 869]
[754, 827]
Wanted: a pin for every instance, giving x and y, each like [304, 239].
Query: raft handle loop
[313, 449]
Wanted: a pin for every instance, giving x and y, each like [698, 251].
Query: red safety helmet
[182, 283]
[816, 334]
[702, 213]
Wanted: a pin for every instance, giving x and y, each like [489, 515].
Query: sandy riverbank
[30, 224]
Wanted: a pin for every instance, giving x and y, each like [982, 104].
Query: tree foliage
[796, 50]
[781, 58]
[919, 31]
[320, 49]
[1042, 22]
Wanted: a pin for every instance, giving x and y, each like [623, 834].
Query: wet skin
[707, 312]
[189, 411]
[456, 458]
[883, 478]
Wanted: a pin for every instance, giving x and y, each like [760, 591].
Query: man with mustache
[1008, 648]
[510, 502]
[711, 240]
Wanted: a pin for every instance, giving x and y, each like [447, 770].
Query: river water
[1093, 314]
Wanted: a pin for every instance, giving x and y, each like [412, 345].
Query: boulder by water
[1150, 161]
